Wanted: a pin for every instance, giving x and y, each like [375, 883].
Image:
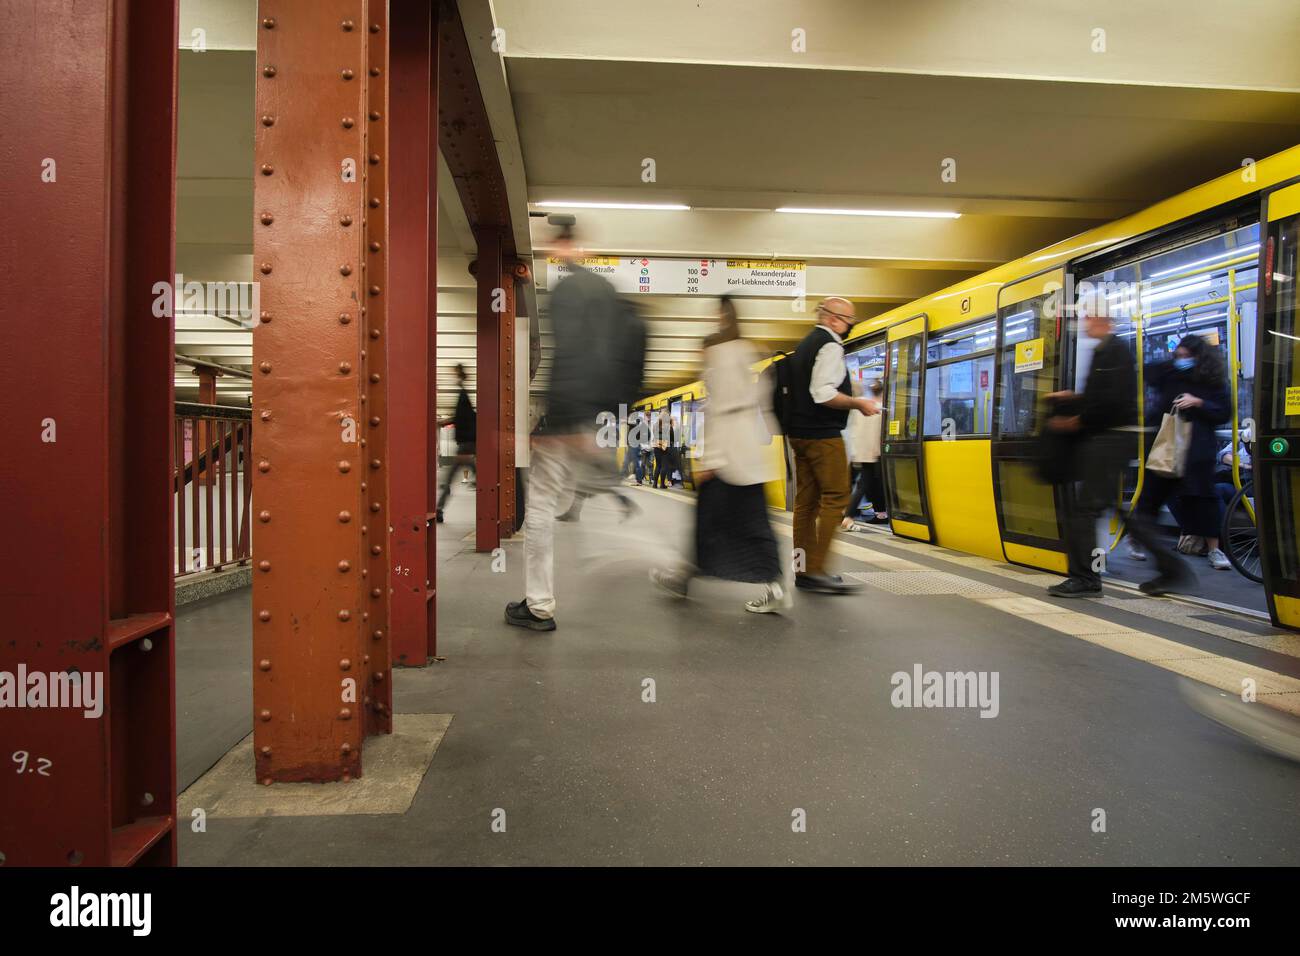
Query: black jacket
[583, 310]
[1110, 394]
[1202, 456]
[465, 419]
[805, 418]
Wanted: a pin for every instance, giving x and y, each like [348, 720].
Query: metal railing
[213, 487]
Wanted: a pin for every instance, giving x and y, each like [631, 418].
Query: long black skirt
[733, 539]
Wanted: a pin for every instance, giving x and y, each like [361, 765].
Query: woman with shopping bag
[1193, 391]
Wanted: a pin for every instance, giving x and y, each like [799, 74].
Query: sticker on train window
[1029, 356]
[894, 425]
[1292, 401]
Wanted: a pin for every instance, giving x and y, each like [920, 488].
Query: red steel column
[506, 348]
[431, 401]
[89, 155]
[319, 206]
[377, 693]
[487, 390]
[412, 162]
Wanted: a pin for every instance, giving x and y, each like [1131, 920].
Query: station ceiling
[1049, 126]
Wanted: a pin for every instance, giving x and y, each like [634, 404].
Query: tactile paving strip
[924, 583]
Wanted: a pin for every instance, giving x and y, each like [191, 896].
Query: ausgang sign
[650, 276]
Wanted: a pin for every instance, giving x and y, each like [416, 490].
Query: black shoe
[825, 584]
[438, 518]
[519, 614]
[1164, 583]
[1075, 588]
[630, 508]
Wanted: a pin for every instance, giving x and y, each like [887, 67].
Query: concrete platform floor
[758, 717]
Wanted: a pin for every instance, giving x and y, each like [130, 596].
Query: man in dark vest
[818, 409]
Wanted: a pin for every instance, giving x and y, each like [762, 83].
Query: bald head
[837, 314]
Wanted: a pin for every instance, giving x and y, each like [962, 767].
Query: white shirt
[828, 370]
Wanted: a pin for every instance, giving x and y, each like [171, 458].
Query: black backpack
[777, 381]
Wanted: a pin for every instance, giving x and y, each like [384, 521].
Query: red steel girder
[90, 154]
[465, 134]
[412, 329]
[319, 205]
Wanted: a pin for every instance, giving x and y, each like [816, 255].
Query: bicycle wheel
[1239, 537]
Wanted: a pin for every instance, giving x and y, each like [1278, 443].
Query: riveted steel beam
[412, 330]
[89, 156]
[320, 208]
[465, 134]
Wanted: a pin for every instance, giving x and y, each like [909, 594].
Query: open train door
[902, 442]
[1030, 330]
[1277, 405]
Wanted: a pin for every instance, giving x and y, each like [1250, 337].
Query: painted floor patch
[394, 764]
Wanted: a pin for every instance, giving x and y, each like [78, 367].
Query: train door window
[1281, 365]
[903, 403]
[1280, 370]
[866, 365]
[959, 380]
[903, 479]
[1206, 288]
[1029, 356]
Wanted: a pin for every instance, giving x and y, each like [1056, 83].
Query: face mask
[1184, 364]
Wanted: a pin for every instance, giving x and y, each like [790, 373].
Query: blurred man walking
[816, 414]
[597, 365]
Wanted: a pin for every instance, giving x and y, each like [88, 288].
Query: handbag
[1168, 456]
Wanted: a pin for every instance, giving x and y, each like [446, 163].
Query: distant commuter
[733, 538]
[864, 454]
[1101, 420]
[1195, 384]
[465, 422]
[816, 412]
[597, 364]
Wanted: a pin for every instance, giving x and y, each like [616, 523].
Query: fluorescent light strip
[895, 213]
[1230, 254]
[611, 205]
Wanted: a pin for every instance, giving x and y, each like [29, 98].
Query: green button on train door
[1277, 411]
[1028, 368]
[902, 443]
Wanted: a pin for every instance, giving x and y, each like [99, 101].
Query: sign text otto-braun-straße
[771, 277]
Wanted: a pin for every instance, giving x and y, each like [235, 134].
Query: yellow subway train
[966, 368]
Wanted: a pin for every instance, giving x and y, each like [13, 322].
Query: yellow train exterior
[979, 493]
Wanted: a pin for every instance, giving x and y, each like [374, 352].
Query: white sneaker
[671, 582]
[775, 598]
[1135, 552]
[1218, 560]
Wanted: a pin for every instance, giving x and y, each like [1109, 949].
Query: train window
[1029, 346]
[867, 364]
[1282, 343]
[1205, 288]
[959, 380]
[904, 483]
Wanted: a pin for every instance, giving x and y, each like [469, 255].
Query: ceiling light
[611, 205]
[895, 213]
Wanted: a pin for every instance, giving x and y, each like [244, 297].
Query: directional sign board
[710, 277]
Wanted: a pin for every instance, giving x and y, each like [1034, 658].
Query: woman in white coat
[733, 537]
[864, 452]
